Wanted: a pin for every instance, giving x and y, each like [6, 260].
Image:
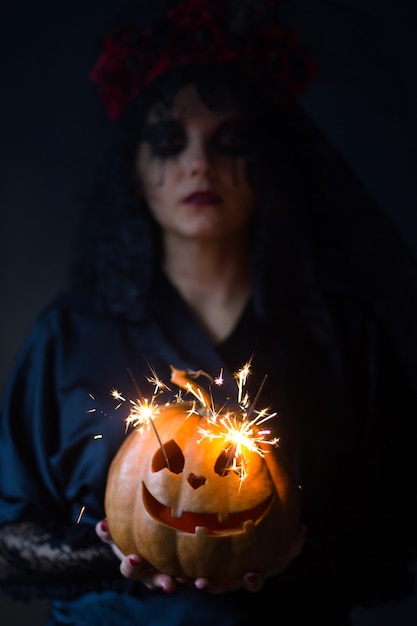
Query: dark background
[363, 98]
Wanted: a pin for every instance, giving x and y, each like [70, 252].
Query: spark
[219, 380]
[98, 437]
[240, 432]
[155, 380]
[117, 395]
[263, 416]
[192, 410]
[142, 413]
[81, 513]
[241, 377]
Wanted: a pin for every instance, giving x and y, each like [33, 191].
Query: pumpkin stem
[183, 380]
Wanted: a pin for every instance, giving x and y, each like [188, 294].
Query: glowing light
[117, 395]
[240, 432]
[81, 513]
[219, 380]
[157, 382]
[142, 413]
[241, 377]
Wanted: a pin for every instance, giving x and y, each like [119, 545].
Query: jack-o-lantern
[195, 503]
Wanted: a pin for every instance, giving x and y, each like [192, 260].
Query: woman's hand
[132, 566]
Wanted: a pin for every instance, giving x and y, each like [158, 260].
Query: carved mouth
[212, 523]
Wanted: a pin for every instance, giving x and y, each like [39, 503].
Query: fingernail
[200, 584]
[104, 526]
[133, 561]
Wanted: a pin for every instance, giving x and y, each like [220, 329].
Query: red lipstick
[199, 198]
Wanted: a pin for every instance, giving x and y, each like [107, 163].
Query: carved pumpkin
[179, 501]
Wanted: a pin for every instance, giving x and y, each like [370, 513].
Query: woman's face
[192, 168]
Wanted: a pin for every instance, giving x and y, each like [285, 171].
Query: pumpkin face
[185, 505]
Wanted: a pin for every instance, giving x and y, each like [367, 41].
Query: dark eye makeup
[167, 138]
[233, 138]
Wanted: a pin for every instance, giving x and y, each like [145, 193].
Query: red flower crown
[192, 33]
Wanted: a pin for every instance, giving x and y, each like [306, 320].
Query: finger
[164, 582]
[117, 551]
[132, 567]
[102, 530]
[135, 568]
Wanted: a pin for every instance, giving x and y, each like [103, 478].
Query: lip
[200, 198]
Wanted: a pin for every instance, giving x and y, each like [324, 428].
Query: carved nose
[196, 481]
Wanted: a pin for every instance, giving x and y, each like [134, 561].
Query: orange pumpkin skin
[215, 536]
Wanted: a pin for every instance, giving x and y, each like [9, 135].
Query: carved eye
[229, 461]
[171, 453]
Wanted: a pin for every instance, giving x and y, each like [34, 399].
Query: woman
[205, 246]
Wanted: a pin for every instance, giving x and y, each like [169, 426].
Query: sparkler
[240, 430]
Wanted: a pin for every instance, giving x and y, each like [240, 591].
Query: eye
[166, 138]
[169, 456]
[233, 138]
[229, 461]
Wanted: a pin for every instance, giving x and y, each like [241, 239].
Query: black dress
[346, 416]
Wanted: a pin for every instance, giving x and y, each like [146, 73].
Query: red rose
[191, 33]
[125, 66]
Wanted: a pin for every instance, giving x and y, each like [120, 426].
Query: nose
[198, 159]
